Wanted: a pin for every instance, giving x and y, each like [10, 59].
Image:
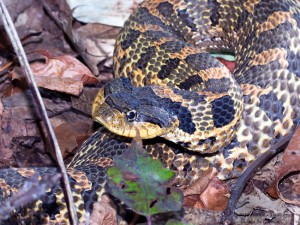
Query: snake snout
[124, 110]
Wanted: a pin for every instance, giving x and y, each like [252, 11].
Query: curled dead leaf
[287, 181]
[71, 135]
[104, 213]
[254, 198]
[85, 100]
[271, 190]
[208, 192]
[6, 154]
[98, 41]
[62, 73]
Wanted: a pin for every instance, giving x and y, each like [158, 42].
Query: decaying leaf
[200, 216]
[175, 222]
[259, 200]
[20, 105]
[287, 182]
[142, 183]
[93, 42]
[71, 135]
[17, 122]
[296, 213]
[104, 213]
[85, 100]
[62, 73]
[208, 192]
[6, 154]
[98, 41]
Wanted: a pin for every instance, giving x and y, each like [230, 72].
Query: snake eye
[131, 115]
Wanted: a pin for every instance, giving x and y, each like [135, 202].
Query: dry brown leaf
[271, 190]
[16, 7]
[208, 192]
[6, 155]
[85, 100]
[257, 199]
[98, 41]
[203, 217]
[215, 196]
[103, 213]
[55, 107]
[295, 210]
[62, 73]
[83, 41]
[17, 122]
[70, 136]
[287, 182]
[70, 117]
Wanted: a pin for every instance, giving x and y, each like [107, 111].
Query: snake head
[124, 109]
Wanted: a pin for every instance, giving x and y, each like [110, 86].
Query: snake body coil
[167, 85]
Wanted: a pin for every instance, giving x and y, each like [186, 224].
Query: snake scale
[195, 114]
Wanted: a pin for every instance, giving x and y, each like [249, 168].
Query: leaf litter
[21, 141]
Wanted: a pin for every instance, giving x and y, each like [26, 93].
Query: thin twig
[149, 220]
[13, 36]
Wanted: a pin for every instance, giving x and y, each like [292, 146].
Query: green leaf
[142, 183]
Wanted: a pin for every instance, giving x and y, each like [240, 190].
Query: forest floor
[70, 61]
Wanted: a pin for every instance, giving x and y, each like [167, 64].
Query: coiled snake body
[168, 85]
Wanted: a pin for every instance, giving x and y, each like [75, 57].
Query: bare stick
[16, 43]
